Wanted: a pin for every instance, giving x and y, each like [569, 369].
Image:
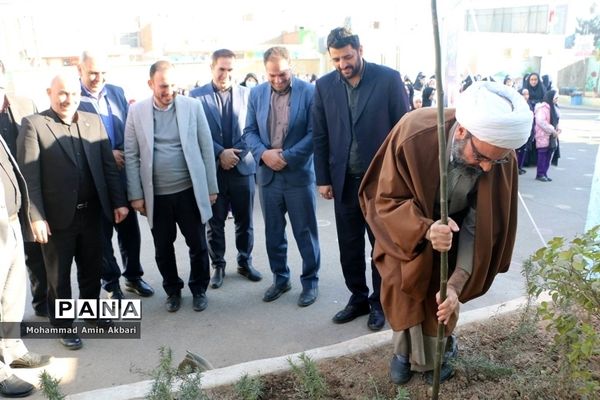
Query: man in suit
[278, 131]
[12, 111]
[355, 107]
[109, 102]
[225, 106]
[14, 219]
[67, 161]
[171, 132]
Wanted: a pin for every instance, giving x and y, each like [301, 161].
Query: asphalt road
[238, 326]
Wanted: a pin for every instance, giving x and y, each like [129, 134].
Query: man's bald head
[92, 70]
[64, 94]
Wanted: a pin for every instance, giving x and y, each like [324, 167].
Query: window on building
[527, 19]
[131, 39]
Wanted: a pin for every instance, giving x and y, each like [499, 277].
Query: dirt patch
[500, 358]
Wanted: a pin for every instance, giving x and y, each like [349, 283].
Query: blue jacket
[239, 98]
[297, 144]
[119, 108]
[381, 104]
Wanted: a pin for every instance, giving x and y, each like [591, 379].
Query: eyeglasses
[481, 158]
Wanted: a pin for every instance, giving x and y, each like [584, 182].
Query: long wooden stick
[443, 192]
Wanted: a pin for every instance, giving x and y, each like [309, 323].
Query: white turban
[495, 113]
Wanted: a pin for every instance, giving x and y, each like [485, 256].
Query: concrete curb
[231, 374]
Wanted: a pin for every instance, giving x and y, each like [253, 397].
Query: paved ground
[237, 326]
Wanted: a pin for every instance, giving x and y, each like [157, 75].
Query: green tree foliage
[591, 25]
[570, 274]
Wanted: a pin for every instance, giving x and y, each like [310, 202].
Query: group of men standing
[92, 162]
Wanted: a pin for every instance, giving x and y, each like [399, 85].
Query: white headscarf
[495, 113]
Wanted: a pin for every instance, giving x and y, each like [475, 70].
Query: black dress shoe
[41, 312]
[217, 279]
[173, 302]
[350, 312]
[400, 372]
[139, 287]
[71, 341]
[116, 294]
[200, 302]
[522, 171]
[13, 386]
[30, 360]
[249, 272]
[274, 292]
[308, 296]
[376, 320]
[542, 179]
[105, 323]
[448, 361]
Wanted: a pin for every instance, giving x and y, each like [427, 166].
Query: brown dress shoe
[30, 360]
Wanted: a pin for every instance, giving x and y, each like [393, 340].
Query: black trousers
[128, 234]
[34, 260]
[235, 191]
[351, 225]
[180, 209]
[81, 240]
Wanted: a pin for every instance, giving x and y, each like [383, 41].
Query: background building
[486, 37]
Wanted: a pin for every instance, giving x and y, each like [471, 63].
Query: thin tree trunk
[443, 164]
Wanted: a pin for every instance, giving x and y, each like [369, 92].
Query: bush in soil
[249, 388]
[165, 376]
[311, 381]
[49, 386]
[570, 273]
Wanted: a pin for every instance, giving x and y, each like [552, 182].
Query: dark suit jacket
[239, 98]
[297, 144]
[19, 107]
[381, 104]
[48, 163]
[24, 211]
[118, 107]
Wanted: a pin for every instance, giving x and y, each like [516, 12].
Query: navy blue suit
[382, 101]
[128, 231]
[236, 185]
[290, 190]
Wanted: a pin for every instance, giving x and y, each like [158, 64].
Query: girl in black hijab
[428, 96]
[536, 89]
[418, 85]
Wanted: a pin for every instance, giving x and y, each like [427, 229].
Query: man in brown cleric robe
[400, 198]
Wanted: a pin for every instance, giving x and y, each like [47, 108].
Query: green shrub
[311, 381]
[49, 387]
[570, 273]
[249, 388]
[165, 376]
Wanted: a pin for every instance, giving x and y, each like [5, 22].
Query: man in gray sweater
[171, 179]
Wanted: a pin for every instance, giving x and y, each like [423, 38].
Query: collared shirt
[167, 108]
[8, 179]
[104, 110]
[356, 166]
[86, 189]
[279, 117]
[225, 105]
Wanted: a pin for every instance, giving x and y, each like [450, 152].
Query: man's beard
[355, 70]
[458, 151]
